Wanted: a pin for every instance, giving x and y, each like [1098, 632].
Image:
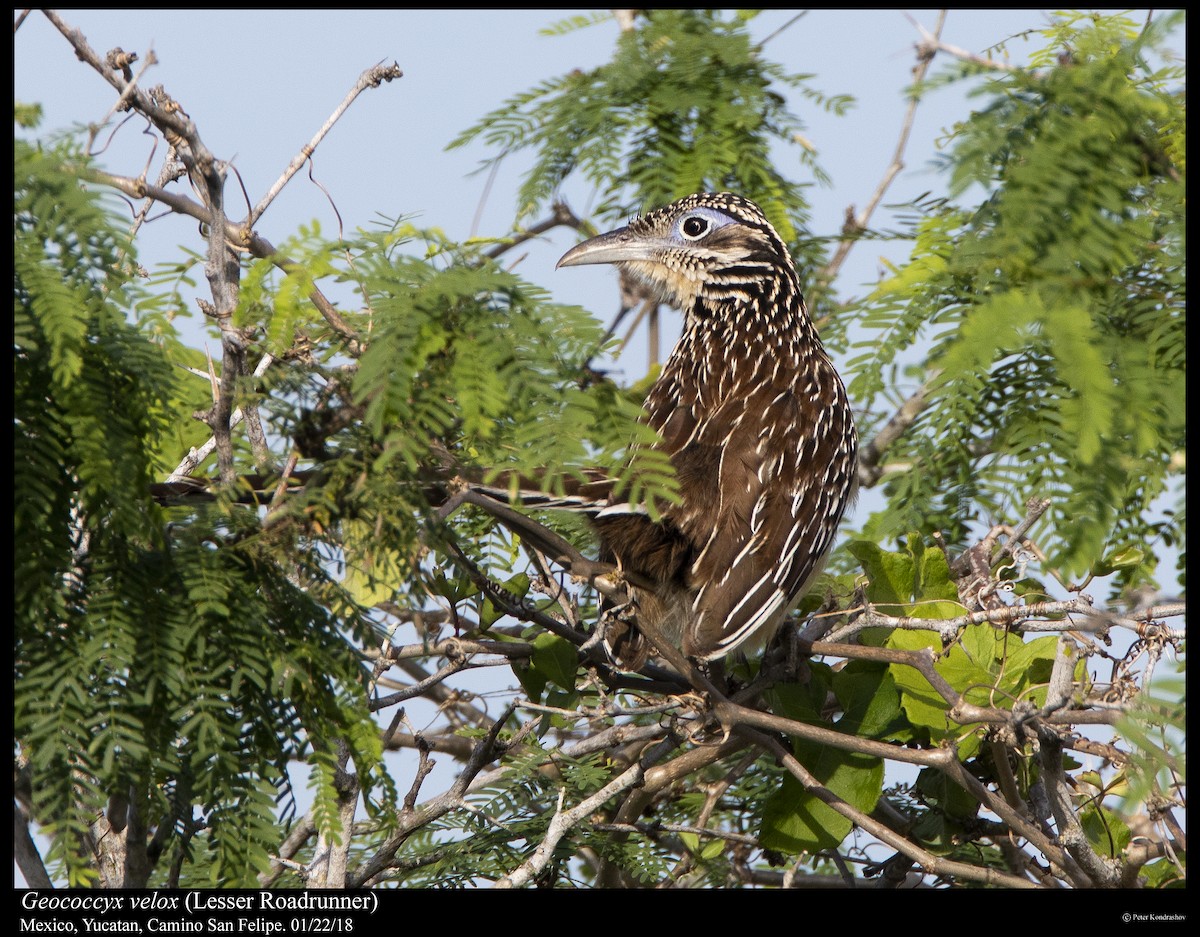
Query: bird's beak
[612, 248]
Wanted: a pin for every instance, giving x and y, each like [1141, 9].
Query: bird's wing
[765, 538]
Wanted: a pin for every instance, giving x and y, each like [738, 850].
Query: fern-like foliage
[688, 103]
[165, 662]
[462, 358]
[1053, 310]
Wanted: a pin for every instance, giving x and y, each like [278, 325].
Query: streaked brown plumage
[755, 419]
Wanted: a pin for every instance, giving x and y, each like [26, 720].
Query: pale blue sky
[258, 84]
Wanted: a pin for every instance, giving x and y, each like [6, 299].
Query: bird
[755, 420]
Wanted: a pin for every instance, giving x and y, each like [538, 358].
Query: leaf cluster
[1049, 316]
[164, 661]
[687, 104]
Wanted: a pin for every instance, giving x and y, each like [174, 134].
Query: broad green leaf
[1027, 668]
[556, 658]
[795, 820]
[982, 644]
[454, 589]
[869, 698]
[532, 679]
[923, 705]
[1106, 831]
[1163, 873]
[891, 575]
[934, 582]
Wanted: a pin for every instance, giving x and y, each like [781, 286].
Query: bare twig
[1101, 871]
[869, 469]
[1034, 509]
[122, 101]
[171, 121]
[195, 456]
[795, 19]
[410, 820]
[457, 647]
[425, 766]
[1036, 617]
[856, 224]
[560, 216]
[419, 689]
[565, 820]
[931, 44]
[371, 78]
[241, 239]
[930, 863]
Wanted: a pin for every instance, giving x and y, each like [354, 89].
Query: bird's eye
[694, 227]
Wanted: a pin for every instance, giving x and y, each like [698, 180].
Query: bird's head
[711, 247]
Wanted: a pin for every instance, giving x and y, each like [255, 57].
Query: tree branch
[869, 469]
[410, 820]
[1022, 618]
[565, 820]
[26, 854]
[857, 224]
[371, 78]
[926, 860]
[560, 215]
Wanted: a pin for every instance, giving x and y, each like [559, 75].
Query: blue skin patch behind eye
[718, 219]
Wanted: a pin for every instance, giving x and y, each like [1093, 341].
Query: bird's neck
[729, 348]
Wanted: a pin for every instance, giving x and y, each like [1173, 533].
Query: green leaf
[923, 705]
[934, 582]
[1130, 557]
[1162, 873]
[556, 658]
[712, 849]
[891, 575]
[795, 820]
[941, 828]
[373, 572]
[869, 698]
[454, 589]
[532, 679]
[1106, 831]
[1027, 669]
[982, 644]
